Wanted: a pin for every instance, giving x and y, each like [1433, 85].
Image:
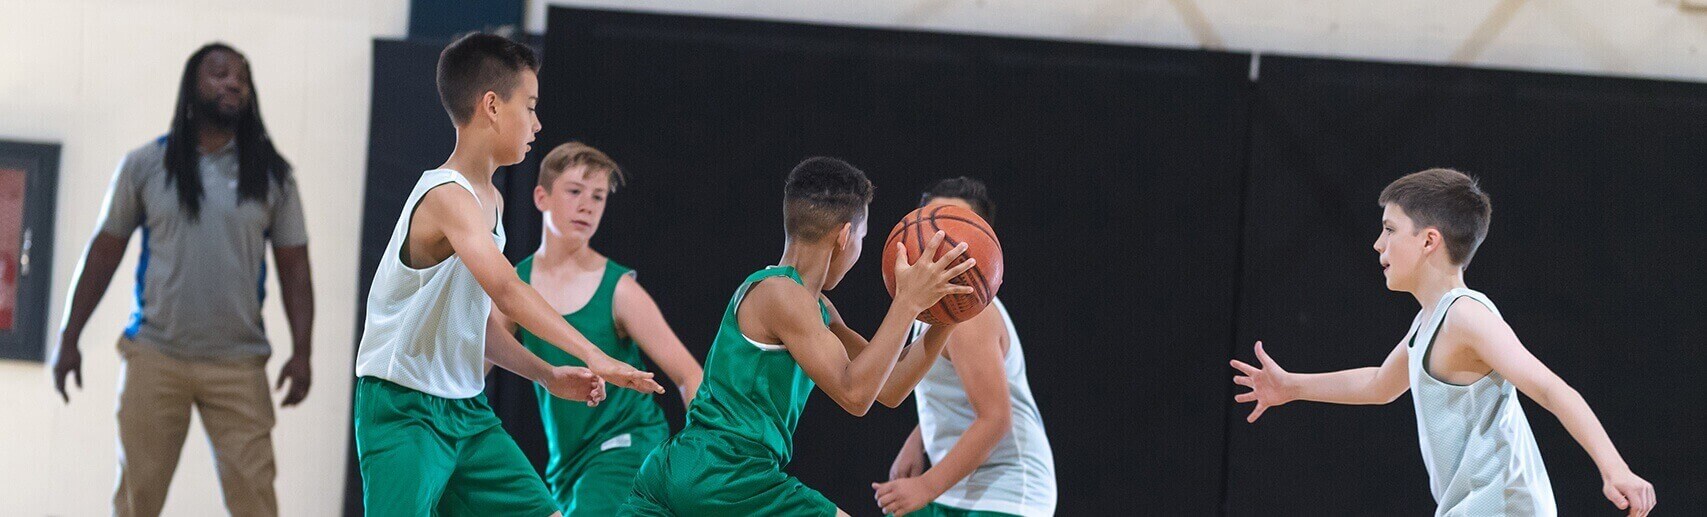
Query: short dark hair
[973, 191]
[478, 63]
[821, 195]
[1447, 200]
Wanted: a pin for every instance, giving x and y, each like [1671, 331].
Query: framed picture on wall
[29, 177]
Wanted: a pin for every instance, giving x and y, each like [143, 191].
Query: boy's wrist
[1616, 470]
[905, 308]
[931, 479]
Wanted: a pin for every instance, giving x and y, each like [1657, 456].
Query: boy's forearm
[871, 369]
[911, 366]
[507, 353]
[687, 374]
[1573, 412]
[915, 440]
[525, 307]
[967, 454]
[1353, 386]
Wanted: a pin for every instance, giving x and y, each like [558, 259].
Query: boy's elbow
[505, 297]
[856, 409]
[892, 401]
[856, 404]
[1390, 396]
[1548, 395]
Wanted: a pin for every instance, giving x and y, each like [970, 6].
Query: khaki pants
[156, 392]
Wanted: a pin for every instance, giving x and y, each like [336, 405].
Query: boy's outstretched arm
[1496, 345]
[564, 382]
[1272, 386]
[461, 219]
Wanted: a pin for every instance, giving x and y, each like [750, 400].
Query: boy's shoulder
[1471, 319]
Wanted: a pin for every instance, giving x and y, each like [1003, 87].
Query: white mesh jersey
[1476, 443]
[426, 328]
[1019, 476]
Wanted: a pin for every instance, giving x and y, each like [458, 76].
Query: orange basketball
[958, 225]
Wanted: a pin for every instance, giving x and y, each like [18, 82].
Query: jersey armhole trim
[409, 225]
[740, 298]
[1444, 312]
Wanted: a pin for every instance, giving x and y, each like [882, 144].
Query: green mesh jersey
[572, 429]
[753, 391]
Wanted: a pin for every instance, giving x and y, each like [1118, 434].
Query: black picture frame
[40, 162]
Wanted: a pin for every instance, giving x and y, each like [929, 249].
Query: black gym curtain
[1160, 211]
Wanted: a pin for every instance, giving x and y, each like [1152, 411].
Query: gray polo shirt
[199, 282]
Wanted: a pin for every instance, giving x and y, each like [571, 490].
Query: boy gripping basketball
[1462, 365]
[425, 437]
[780, 336]
[594, 452]
[979, 449]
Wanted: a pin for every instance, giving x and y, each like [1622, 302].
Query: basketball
[958, 225]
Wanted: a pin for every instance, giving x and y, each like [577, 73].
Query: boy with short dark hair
[779, 338]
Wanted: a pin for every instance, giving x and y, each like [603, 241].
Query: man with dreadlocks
[208, 197]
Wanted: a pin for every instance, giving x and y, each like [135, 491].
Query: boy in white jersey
[425, 437]
[1462, 365]
[979, 449]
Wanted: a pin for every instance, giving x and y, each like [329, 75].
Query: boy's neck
[556, 251]
[1435, 282]
[472, 158]
[812, 260]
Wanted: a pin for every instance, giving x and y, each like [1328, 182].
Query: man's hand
[66, 362]
[300, 375]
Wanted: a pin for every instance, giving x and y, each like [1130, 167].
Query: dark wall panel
[1160, 212]
[1116, 170]
[1589, 259]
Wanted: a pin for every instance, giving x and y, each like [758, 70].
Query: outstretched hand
[621, 374]
[1269, 385]
[575, 383]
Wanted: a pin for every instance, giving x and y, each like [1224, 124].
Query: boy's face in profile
[845, 257]
[1401, 248]
[516, 122]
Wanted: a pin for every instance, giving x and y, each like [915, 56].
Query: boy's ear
[539, 194]
[1432, 239]
[488, 106]
[844, 236]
